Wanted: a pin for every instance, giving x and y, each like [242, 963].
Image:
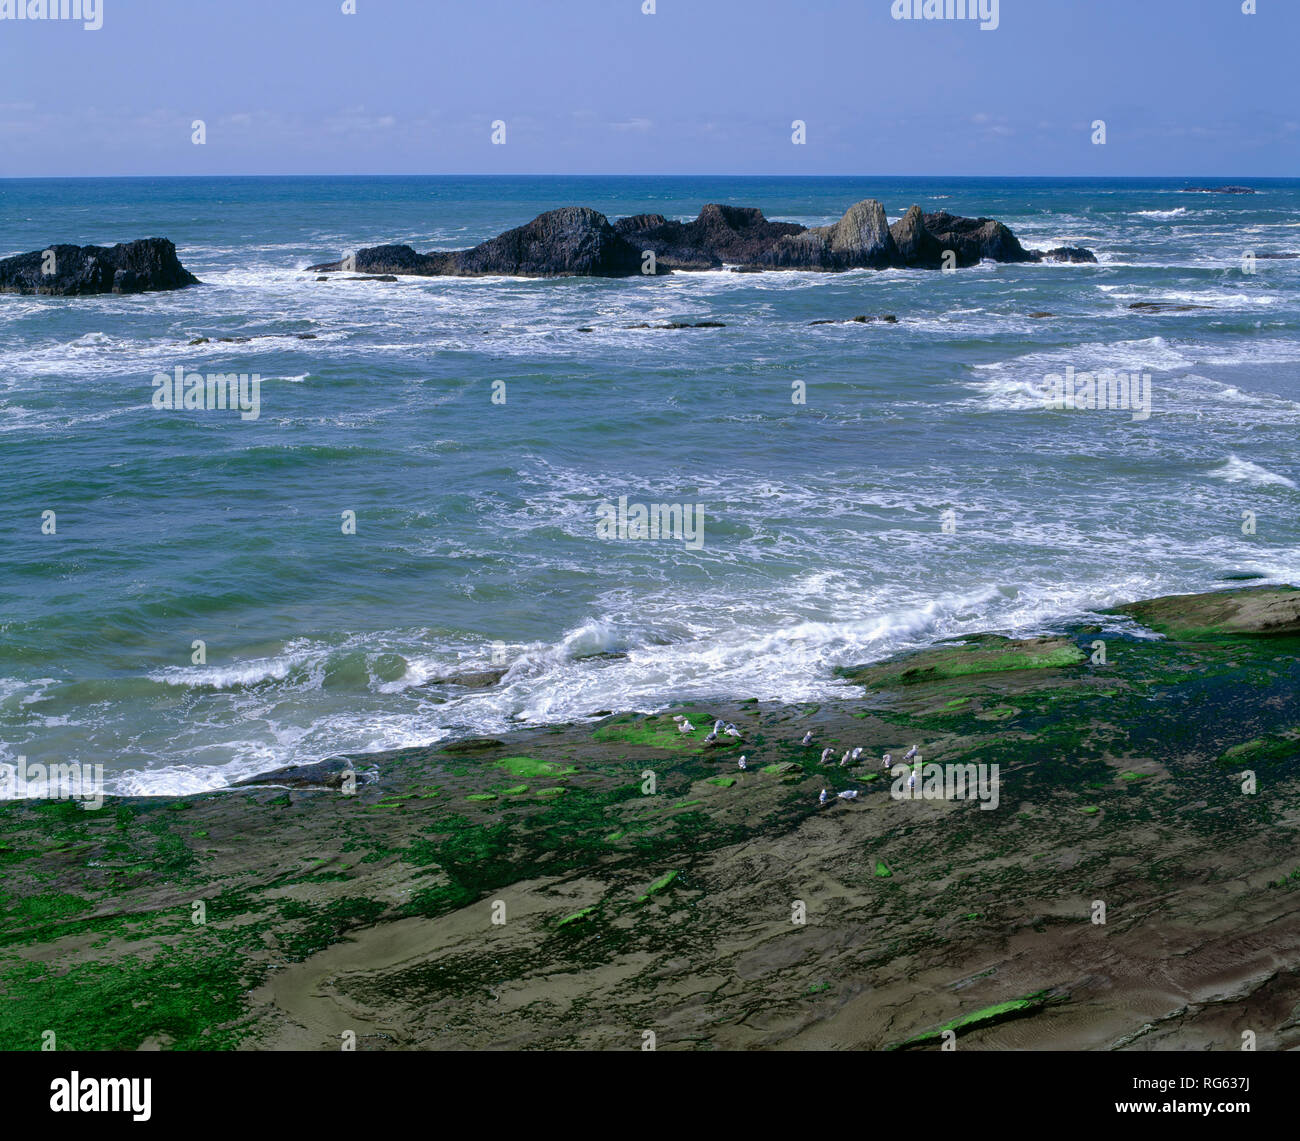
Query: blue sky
[1186, 87]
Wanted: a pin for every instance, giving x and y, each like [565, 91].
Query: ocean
[922, 491]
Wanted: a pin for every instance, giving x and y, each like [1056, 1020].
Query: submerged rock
[470, 679]
[77, 271]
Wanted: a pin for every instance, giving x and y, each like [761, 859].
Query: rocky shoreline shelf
[632, 904]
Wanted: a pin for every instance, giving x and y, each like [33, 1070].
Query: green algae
[518, 790]
[983, 655]
[531, 767]
[482, 796]
[722, 782]
[577, 916]
[651, 733]
[988, 1016]
[658, 886]
[882, 869]
[556, 790]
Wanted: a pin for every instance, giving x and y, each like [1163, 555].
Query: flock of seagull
[850, 757]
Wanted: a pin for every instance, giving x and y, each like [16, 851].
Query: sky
[1185, 87]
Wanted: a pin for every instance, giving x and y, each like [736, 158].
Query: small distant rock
[1165, 307]
[1042, 314]
[1217, 190]
[1075, 254]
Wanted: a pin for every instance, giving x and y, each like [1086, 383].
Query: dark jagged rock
[581, 242]
[1042, 314]
[1217, 190]
[737, 234]
[79, 271]
[975, 239]
[916, 246]
[573, 242]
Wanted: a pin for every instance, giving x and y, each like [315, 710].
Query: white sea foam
[1237, 470]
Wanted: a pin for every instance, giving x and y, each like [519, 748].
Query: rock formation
[76, 271]
[581, 242]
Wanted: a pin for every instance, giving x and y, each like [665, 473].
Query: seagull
[911, 781]
[852, 794]
[844, 760]
[910, 753]
[743, 765]
[714, 735]
[827, 754]
[686, 727]
[856, 754]
[888, 763]
[807, 738]
[678, 717]
[823, 798]
[731, 730]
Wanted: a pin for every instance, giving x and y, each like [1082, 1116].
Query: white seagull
[910, 753]
[852, 794]
[731, 730]
[807, 738]
[844, 760]
[823, 798]
[827, 754]
[856, 753]
[686, 727]
[742, 763]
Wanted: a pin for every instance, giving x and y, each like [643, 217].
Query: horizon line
[720, 174]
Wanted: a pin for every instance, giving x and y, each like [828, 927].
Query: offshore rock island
[580, 242]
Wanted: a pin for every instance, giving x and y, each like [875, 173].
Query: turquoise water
[476, 535]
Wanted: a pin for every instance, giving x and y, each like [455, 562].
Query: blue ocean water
[476, 522]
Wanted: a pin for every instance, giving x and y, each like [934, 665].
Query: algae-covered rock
[987, 654]
[1261, 611]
